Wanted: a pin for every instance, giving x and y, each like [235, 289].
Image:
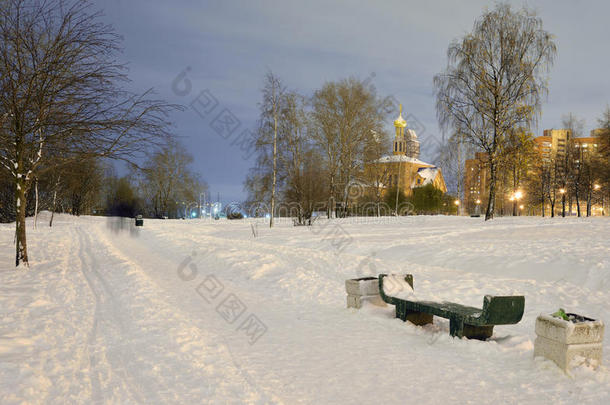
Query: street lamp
[562, 191]
[517, 195]
[597, 187]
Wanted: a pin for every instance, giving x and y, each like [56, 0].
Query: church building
[402, 168]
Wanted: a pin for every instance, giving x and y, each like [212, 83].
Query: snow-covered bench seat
[470, 322]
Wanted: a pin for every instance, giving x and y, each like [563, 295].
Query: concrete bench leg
[478, 332]
[417, 318]
[458, 328]
[420, 318]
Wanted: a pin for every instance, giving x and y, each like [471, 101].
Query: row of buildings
[552, 146]
[403, 170]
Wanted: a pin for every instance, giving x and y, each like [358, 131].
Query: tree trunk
[274, 166]
[489, 214]
[577, 196]
[331, 199]
[54, 201]
[21, 247]
[563, 205]
[36, 206]
[542, 187]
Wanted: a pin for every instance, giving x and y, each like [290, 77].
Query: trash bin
[139, 221]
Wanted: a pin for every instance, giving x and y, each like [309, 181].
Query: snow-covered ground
[204, 312]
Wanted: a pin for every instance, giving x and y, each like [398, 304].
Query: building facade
[552, 146]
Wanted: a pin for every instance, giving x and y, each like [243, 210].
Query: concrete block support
[361, 290]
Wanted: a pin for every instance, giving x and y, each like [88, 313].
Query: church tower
[405, 142]
[400, 144]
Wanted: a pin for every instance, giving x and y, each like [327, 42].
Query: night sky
[224, 48]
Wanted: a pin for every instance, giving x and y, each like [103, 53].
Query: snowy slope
[110, 313]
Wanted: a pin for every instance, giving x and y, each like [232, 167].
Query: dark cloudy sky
[225, 47]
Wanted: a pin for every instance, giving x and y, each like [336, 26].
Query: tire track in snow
[187, 335]
[107, 312]
[147, 258]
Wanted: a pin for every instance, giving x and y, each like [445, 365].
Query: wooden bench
[464, 321]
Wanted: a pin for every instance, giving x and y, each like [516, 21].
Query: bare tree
[570, 175]
[376, 175]
[167, 177]
[60, 95]
[604, 146]
[537, 183]
[495, 81]
[516, 161]
[553, 173]
[346, 114]
[602, 165]
[452, 159]
[293, 148]
[271, 107]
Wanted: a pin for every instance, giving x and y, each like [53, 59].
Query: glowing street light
[597, 187]
[563, 201]
[517, 195]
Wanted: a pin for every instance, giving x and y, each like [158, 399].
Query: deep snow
[110, 313]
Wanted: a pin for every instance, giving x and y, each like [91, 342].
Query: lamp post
[517, 195]
[477, 210]
[457, 207]
[563, 201]
[597, 187]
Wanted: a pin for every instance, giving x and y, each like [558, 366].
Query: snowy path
[109, 313]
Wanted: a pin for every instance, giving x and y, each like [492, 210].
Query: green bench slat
[497, 310]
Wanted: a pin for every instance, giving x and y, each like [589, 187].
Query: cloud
[230, 45]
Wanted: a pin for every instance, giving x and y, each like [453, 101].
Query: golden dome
[400, 122]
